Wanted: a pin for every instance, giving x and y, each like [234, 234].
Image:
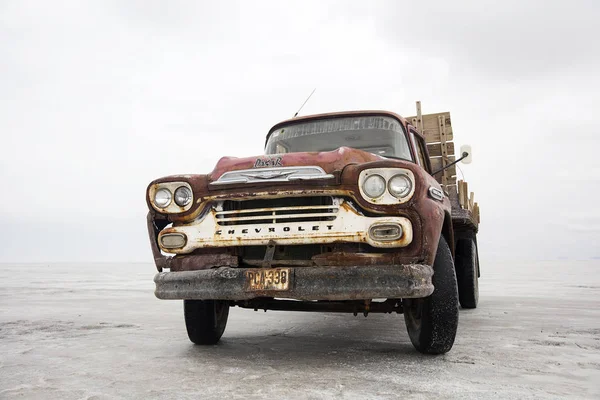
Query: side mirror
[465, 156]
[465, 151]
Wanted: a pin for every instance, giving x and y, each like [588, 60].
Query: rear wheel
[432, 321]
[467, 271]
[205, 320]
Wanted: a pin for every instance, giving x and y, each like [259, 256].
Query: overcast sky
[99, 98]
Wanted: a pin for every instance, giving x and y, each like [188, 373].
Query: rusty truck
[356, 212]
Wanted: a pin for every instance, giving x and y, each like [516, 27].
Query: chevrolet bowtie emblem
[268, 174]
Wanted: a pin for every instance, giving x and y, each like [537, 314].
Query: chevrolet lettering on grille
[277, 229]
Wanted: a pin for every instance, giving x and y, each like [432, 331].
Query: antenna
[305, 101]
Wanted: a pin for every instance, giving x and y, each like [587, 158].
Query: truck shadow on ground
[314, 340]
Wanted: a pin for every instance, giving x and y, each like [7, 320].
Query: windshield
[379, 135]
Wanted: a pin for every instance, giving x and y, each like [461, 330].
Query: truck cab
[342, 213]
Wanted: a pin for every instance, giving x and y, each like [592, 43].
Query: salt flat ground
[96, 331]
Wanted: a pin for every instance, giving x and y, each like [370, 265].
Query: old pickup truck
[356, 212]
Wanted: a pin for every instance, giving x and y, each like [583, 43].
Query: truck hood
[330, 161]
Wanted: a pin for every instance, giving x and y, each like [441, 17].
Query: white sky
[99, 98]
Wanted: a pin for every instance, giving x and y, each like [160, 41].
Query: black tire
[432, 321]
[205, 320]
[467, 271]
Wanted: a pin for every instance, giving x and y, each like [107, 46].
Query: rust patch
[202, 261]
[342, 259]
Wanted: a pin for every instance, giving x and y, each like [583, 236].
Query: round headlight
[374, 186]
[183, 196]
[400, 185]
[162, 198]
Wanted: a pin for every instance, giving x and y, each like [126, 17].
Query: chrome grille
[276, 211]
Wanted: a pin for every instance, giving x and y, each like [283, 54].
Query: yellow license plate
[268, 279]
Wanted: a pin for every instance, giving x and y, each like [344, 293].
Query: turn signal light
[385, 232]
[173, 240]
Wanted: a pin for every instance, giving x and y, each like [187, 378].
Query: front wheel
[205, 320]
[432, 321]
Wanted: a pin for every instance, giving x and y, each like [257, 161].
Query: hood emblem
[270, 174]
[268, 162]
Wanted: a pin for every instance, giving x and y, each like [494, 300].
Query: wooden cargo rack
[439, 135]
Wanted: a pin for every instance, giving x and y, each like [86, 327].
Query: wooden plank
[471, 202]
[430, 121]
[435, 150]
[429, 126]
[463, 194]
[436, 163]
[442, 129]
[435, 137]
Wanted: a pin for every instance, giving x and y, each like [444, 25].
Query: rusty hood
[330, 161]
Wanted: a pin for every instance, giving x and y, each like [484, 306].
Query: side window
[419, 149]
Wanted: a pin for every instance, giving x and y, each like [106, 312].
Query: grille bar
[277, 217]
[253, 210]
[301, 209]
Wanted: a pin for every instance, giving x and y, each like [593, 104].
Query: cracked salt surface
[95, 331]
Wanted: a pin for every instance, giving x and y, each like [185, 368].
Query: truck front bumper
[307, 283]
